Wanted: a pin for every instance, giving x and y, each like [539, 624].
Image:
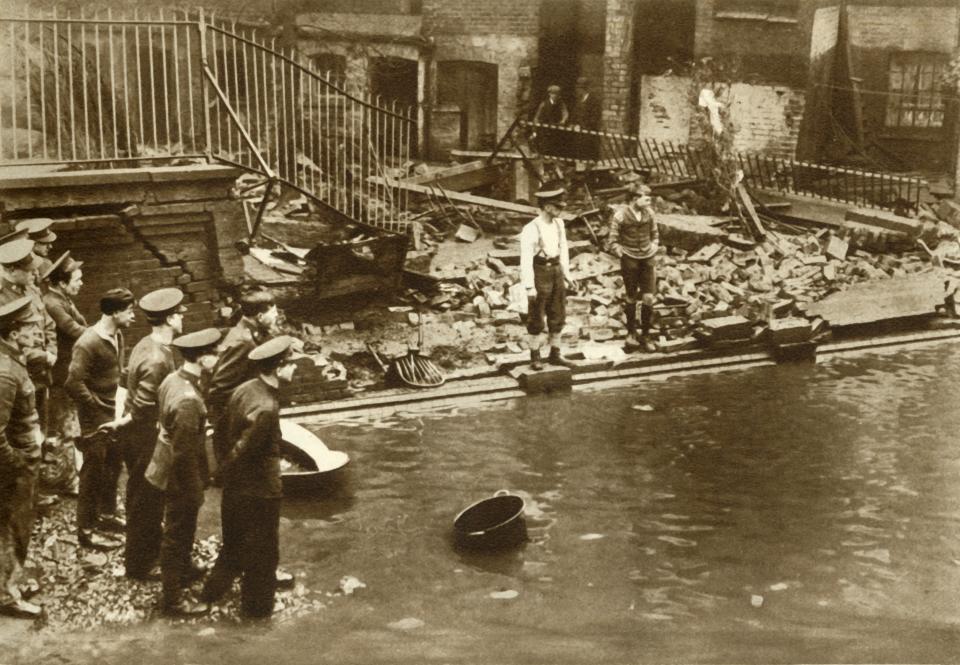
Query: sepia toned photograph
[487, 332]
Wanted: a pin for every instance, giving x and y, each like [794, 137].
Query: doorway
[472, 86]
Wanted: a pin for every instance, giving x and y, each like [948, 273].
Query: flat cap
[201, 340]
[553, 88]
[277, 346]
[162, 301]
[637, 188]
[550, 195]
[15, 311]
[65, 264]
[38, 229]
[17, 252]
[116, 300]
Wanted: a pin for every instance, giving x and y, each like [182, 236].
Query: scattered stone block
[789, 331]
[879, 300]
[727, 328]
[885, 220]
[549, 379]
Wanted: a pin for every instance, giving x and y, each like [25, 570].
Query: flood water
[779, 514]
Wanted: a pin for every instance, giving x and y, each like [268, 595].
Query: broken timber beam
[460, 197]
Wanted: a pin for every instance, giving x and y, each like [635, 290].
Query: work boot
[556, 359]
[185, 609]
[96, 541]
[21, 609]
[535, 363]
[193, 574]
[632, 343]
[113, 523]
[285, 580]
[152, 575]
[648, 344]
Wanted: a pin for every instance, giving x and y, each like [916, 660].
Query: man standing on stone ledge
[545, 274]
[92, 382]
[151, 361]
[20, 440]
[635, 239]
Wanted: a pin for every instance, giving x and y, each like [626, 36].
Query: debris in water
[409, 623]
[505, 595]
[779, 586]
[642, 407]
[207, 632]
[349, 584]
[756, 601]
[592, 536]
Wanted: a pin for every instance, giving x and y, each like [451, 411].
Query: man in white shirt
[545, 274]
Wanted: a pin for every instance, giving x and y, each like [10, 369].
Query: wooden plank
[461, 197]
[461, 177]
[880, 300]
[754, 224]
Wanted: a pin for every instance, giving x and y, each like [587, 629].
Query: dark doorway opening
[473, 87]
[396, 80]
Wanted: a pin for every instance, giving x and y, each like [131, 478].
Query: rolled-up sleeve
[528, 248]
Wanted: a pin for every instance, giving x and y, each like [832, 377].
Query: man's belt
[540, 260]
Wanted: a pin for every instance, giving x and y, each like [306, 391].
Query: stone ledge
[115, 176]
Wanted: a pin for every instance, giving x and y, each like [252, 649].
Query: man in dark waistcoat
[178, 467]
[20, 441]
[92, 382]
[151, 361]
[635, 239]
[252, 490]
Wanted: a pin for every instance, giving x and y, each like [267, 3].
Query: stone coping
[11, 180]
[481, 385]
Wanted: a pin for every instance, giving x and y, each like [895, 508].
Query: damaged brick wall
[142, 229]
[617, 69]
[767, 117]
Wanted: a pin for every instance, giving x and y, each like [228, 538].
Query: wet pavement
[786, 514]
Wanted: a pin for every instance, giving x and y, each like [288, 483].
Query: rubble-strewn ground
[82, 589]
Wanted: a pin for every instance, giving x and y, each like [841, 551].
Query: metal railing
[682, 161]
[108, 91]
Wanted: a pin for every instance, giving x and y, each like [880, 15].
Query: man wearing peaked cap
[20, 441]
[545, 274]
[92, 381]
[18, 269]
[258, 316]
[151, 361]
[252, 491]
[39, 231]
[178, 466]
[64, 279]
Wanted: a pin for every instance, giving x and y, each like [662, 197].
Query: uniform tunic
[232, 369]
[250, 508]
[150, 364]
[38, 364]
[92, 382]
[19, 459]
[178, 468]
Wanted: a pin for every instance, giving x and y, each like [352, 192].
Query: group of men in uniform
[545, 269]
[175, 385]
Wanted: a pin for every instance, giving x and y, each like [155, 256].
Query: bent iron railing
[105, 91]
[683, 161]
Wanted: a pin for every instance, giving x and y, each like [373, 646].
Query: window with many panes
[915, 86]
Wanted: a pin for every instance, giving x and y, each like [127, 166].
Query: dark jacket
[179, 463]
[232, 368]
[150, 363]
[93, 378]
[252, 467]
[587, 112]
[70, 325]
[19, 424]
[36, 356]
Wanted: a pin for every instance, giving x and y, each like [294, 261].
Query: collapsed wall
[139, 228]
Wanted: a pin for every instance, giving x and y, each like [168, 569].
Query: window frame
[929, 99]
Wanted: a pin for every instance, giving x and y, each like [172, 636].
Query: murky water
[796, 513]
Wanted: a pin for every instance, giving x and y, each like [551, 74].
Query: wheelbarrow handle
[376, 357]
